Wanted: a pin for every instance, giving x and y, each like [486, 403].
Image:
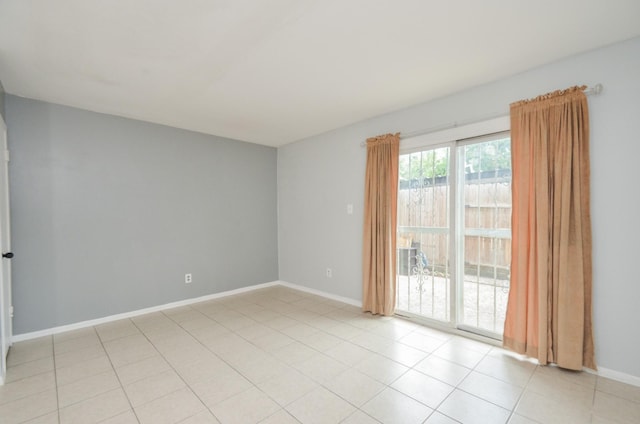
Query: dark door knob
[7, 255]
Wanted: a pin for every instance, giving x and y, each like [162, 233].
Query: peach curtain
[549, 307]
[380, 217]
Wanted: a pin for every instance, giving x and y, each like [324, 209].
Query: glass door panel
[485, 185]
[423, 269]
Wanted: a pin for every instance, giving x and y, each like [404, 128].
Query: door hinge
[11, 311]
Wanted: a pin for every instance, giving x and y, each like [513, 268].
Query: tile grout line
[223, 360]
[283, 407]
[174, 370]
[117, 376]
[214, 353]
[220, 358]
[369, 331]
[39, 391]
[456, 387]
[303, 314]
[55, 376]
[349, 367]
[386, 385]
[595, 390]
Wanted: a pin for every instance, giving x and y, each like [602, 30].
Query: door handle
[7, 255]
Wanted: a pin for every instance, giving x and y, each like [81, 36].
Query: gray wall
[108, 214]
[317, 177]
[2, 101]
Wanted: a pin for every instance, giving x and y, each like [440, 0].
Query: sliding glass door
[454, 217]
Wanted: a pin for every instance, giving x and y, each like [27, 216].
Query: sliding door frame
[454, 138]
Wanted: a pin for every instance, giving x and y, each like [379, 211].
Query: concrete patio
[485, 299]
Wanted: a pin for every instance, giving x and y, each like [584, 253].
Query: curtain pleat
[549, 311]
[380, 217]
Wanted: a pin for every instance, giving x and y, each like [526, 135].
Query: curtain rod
[595, 90]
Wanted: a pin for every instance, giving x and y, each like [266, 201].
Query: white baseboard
[617, 375]
[602, 372]
[124, 315]
[342, 299]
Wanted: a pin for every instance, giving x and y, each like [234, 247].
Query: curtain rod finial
[597, 89]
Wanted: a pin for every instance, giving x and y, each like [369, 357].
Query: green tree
[478, 157]
[489, 156]
[429, 164]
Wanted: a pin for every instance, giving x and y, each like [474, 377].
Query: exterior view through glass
[454, 233]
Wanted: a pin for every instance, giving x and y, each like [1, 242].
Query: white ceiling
[272, 72]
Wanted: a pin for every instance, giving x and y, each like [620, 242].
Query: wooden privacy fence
[423, 217]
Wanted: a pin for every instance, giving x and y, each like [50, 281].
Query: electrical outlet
[329, 273]
[188, 278]
[350, 209]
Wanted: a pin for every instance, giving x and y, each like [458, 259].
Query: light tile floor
[279, 355]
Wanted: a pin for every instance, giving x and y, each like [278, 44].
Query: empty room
[319, 212]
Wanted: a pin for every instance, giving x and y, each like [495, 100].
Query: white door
[6, 311]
